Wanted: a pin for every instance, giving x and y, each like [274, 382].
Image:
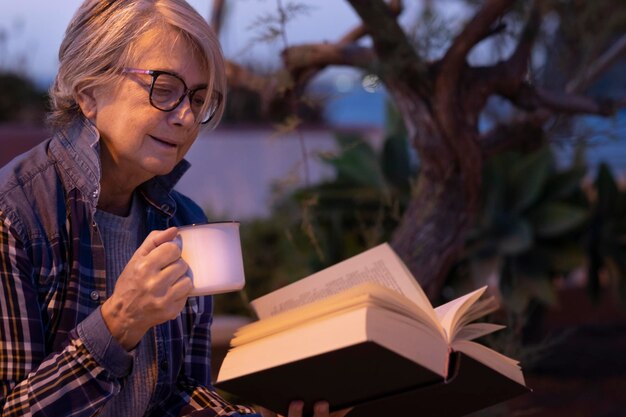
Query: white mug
[213, 253]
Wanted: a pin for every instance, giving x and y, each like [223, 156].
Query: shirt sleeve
[193, 394]
[107, 351]
[70, 382]
[189, 399]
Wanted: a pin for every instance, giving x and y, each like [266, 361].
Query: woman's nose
[183, 114]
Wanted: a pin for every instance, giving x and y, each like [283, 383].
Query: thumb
[155, 239]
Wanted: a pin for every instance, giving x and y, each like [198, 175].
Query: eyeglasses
[168, 90]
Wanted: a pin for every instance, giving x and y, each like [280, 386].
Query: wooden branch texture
[396, 54]
[441, 104]
[474, 31]
[217, 15]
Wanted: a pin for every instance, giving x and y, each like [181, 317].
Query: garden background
[483, 139]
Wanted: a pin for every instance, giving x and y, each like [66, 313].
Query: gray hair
[99, 41]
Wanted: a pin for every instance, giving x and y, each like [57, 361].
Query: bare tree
[440, 103]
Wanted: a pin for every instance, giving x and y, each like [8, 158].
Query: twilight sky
[33, 29]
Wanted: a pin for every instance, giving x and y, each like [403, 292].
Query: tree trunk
[434, 226]
[432, 232]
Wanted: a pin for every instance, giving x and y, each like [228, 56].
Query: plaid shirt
[52, 278]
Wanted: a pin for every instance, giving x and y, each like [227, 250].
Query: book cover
[471, 387]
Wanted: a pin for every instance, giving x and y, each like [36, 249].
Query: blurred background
[323, 177]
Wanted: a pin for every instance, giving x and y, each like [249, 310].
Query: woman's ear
[86, 99]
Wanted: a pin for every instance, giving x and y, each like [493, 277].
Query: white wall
[233, 170]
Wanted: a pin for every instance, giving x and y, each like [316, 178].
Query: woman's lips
[164, 141]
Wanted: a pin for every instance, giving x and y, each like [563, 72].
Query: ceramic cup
[213, 253]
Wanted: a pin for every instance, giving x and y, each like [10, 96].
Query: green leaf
[532, 263]
[394, 123]
[528, 177]
[567, 256]
[543, 289]
[517, 298]
[484, 269]
[396, 161]
[357, 164]
[518, 238]
[494, 179]
[608, 192]
[565, 183]
[554, 219]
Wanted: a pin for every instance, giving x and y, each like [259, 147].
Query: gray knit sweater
[121, 236]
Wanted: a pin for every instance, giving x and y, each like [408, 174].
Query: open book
[363, 333]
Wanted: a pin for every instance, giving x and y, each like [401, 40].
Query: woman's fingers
[157, 251]
[295, 409]
[164, 255]
[173, 272]
[155, 239]
[181, 289]
[320, 409]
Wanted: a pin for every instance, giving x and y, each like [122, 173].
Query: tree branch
[396, 54]
[239, 76]
[395, 6]
[525, 133]
[265, 86]
[453, 69]
[505, 78]
[593, 71]
[476, 30]
[562, 102]
[217, 15]
[304, 62]
[301, 57]
[511, 82]
[517, 66]
[531, 98]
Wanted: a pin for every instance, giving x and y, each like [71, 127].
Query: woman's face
[139, 141]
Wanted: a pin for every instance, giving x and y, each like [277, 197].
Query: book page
[479, 309]
[476, 330]
[368, 294]
[496, 361]
[380, 265]
[452, 312]
[395, 332]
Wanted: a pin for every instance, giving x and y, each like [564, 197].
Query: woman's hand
[320, 409]
[152, 289]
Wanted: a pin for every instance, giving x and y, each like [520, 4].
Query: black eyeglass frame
[215, 95]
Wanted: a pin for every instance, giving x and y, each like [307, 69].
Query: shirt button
[164, 365]
[95, 194]
[94, 295]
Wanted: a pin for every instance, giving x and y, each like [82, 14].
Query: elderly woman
[96, 317]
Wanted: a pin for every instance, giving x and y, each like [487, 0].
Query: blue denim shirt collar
[157, 191]
[77, 152]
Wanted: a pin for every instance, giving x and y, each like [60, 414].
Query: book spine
[447, 368]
